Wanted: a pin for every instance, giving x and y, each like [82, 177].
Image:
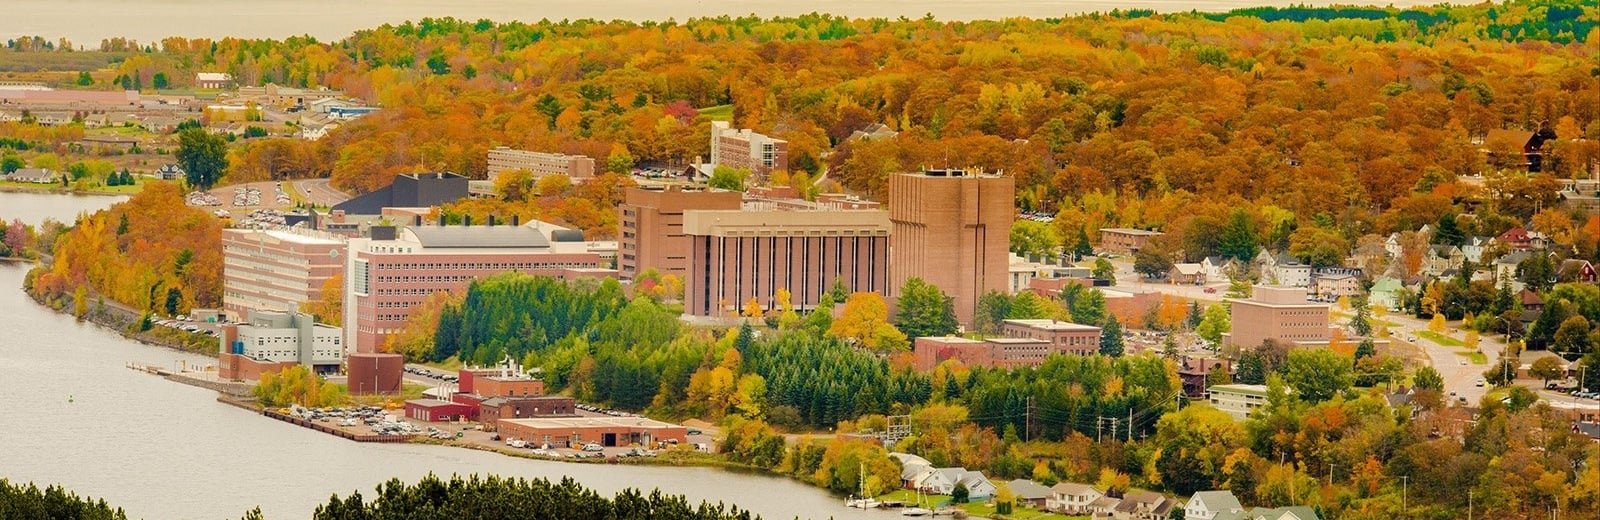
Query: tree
[619, 161]
[329, 309]
[1361, 323]
[993, 307]
[1537, 271]
[1572, 336]
[1034, 238]
[732, 179]
[960, 493]
[861, 318]
[204, 157]
[10, 163]
[1317, 375]
[1111, 338]
[1082, 248]
[1215, 322]
[1446, 232]
[1237, 238]
[1318, 246]
[1365, 349]
[1504, 371]
[159, 80]
[84, 79]
[924, 310]
[1428, 378]
[1152, 263]
[1103, 270]
[1547, 368]
[1029, 306]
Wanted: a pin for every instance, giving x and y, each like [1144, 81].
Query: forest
[493, 497]
[18, 501]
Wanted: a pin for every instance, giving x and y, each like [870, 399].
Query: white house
[1219, 268]
[1238, 399]
[1206, 505]
[1285, 270]
[943, 481]
[1277, 513]
[1072, 498]
[1144, 505]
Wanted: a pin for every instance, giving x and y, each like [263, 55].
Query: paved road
[319, 192]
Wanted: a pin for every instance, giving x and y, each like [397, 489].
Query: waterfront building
[574, 432]
[389, 278]
[276, 270]
[951, 228]
[272, 340]
[743, 148]
[1277, 313]
[504, 159]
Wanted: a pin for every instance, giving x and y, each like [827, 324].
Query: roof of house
[1514, 258]
[1386, 284]
[1283, 513]
[1218, 500]
[1150, 501]
[1188, 269]
[1527, 298]
[212, 76]
[1074, 488]
[1515, 234]
[1260, 390]
[1028, 489]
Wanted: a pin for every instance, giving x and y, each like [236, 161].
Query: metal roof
[478, 237]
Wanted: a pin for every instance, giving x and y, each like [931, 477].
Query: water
[74, 415]
[86, 22]
[33, 208]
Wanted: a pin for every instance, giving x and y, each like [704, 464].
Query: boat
[864, 502]
[916, 511]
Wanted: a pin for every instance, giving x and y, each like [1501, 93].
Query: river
[75, 416]
[86, 22]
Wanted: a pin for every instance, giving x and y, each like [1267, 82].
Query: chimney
[466, 220]
[491, 220]
[516, 220]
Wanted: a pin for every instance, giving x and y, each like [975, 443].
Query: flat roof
[1048, 324]
[430, 403]
[590, 422]
[479, 237]
[1260, 390]
[1015, 341]
[1130, 231]
[300, 238]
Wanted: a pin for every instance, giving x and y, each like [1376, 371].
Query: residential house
[34, 175]
[1441, 258]
[170, 172]
[1072, 498]
[1386, 292]
[1238, 400]
[160, 125]
[1187, 274]
[943, 481]
[1124, 241]
[1575, 270]
[1474, 247]
[1505, 268]
[213, 80]
[1206, 505]
[1516, 238]
[912, 468]
[1029, 493]
[1285, 270]
[1530, 145]
[1144, 505]
[1193, 372]
[1392, 245]
[1531, 302]
[1277, 513]
[1219, 268]
[1335, 285]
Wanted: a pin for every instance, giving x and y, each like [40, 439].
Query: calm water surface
[86, 22]
[71, 414]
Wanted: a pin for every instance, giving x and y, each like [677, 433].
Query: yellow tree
[329, 309]
[863, 314]
[752, 308]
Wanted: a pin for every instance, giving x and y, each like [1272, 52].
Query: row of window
[495, 266]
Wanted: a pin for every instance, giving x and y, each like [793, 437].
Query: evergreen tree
[1111, 338]
[993, 307]
[924, 310]
[204, 157]
[1447, 233]
[1083, 248]
[1237, 239]
[1365, 349]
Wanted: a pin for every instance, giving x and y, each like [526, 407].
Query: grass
[1441, 338]
[977, 509]
[718, 113]
[408, 391]
[1477, 358]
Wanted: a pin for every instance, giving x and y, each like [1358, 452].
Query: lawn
[1477, 358]
[718, 113]
[979, 509]
[1441, 338]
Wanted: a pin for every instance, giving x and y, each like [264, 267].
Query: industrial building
[605, 431]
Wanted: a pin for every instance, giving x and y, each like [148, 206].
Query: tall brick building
[1279, 313]
[276, 270]
[652, 227]
[743, 148]
[503, 159]
[952, 229]
[737, 255]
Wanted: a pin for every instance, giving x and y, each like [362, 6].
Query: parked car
[592, 447]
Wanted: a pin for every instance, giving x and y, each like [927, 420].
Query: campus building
[272, 340]
[504, 159]
[1278, 313]
[652, 227]
[1065, 337]
[1125, 241]
[576, 431]
[743, 148]
[739, 255]
[1237, 400]
[388, 278]
[951, 228]
[276, 270]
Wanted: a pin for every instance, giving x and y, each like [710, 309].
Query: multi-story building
[504, 159]
[1062, 336]
[738, 255]
[743, 148]
[276, 270]
[1124, 241]
[951, 228]
[1238, 400]
[273, 339]
[651, 227]
[1278, 313]
[388, 278]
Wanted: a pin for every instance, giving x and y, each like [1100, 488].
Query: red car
[1211, 290]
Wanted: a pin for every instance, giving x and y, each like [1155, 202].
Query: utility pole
[1330, 473]
[1130, 424]
[1405, 493]
[1027, 414]
[1098, 421]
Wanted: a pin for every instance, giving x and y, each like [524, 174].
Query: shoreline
[59, 190]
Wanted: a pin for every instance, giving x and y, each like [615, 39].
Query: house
[1187, 274]
[1277, 513]
[1072, 498]
[1441, 258]
[1206, 505]
[943, 481]
[1530, 145]
[1575, 270]
[1193, 372]
[1333, 286]
[170, 172]
[1144, 505]
[34, 175]
[159, 125]
[217, 80]
[1029, 492]
[1218, 268]
[1505, 268]
[1474, 247]
[1282, 269]
[873, 132]
[1238, 400]
[1516, 238]
[1386, 292]
[1124, 241]
[1531, 302]
[912, 468]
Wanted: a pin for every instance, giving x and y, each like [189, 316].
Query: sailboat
[864, 502]
[916, 510]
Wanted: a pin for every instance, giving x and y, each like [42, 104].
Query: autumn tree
[1428, 378]
[1317, 374]
[1031, 238]
[1214, 324]
[1547, 368]
[329, 309]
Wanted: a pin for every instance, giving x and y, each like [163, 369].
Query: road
[319, 192]
[1460, 379]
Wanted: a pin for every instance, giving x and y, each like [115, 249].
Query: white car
[592, 447]
[1479, 383]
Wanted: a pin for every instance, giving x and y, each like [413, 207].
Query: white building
[1238, 400]
[1073, 498]
[1206, 505]
[285, 337]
